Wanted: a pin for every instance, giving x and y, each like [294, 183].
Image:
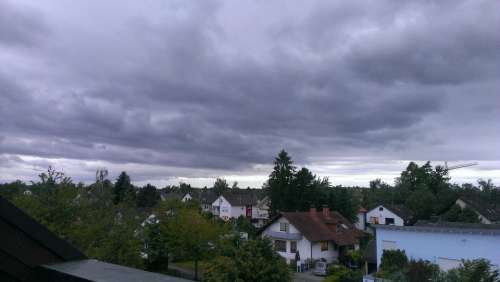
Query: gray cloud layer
[219, 86]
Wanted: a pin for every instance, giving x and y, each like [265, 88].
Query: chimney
[312, 211]
[326, 211]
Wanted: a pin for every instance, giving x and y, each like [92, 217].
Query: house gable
[462, 203]
[383, 215]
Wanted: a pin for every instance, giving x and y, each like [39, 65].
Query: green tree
[191, 235]
[156, 246]
[220, 186]
[392, 261]
[243, 224]
[422, 202]
[304, 191]
[123, 189]
[254, 260]
[343, 274]
[479, 270]
[279, 184]
[148, 196]
[421, 270]
[457, 214]
[10, 190]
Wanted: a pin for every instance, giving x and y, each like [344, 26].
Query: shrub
[343, 274]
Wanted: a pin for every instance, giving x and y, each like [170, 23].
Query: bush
[479, 270]
[421, 270]
[343, 274]
[392, 261]
[253, 260]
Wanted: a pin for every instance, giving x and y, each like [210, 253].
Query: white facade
[306, 248]
[187, 197]
[361, 223]
[381, 215]
[443, 247]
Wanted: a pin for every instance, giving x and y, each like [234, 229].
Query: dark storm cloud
[19, 26]
[174, 84]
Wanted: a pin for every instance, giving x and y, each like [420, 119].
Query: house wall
[222, 208]
[361, 223]
[330, 255]
[225, 210]
[438, 247]
[303, 245]
[481, 217]
[237, 211]
[186, 197]
[382, 215]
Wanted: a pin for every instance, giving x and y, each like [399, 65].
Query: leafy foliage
[189, 234]
[343, 274]
[148, 196]
[253, 260]
[123, 189]
[292, 190]
[480, 270]
[220, 186]
[396, 267]
[421, 270]
[457, 214]
[392, 261]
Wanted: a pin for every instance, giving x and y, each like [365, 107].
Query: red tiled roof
[315, 226]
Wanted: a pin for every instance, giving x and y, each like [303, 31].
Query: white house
[187, 197]
[389, 215]
[245, 203]
[313, 235]
[443, 243]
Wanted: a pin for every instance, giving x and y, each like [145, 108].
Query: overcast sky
[187, 91]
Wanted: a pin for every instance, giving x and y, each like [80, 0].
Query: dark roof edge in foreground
[39, 233]
[94, 270]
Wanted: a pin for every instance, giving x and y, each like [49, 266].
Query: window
[293, 246]
[283, 226]
[280, 245]
[389, 245]
[324, 246]
[374, 220]
[381, 209]
[389, 221]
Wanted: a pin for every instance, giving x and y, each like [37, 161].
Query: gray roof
[243, 197]
[402, 211]
[487, 210]
[446, 227]
[97, 271]
[204, 196]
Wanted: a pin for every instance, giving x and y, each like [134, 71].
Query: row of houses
[327, 235]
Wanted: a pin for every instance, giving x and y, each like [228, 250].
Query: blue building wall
[433, 245]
